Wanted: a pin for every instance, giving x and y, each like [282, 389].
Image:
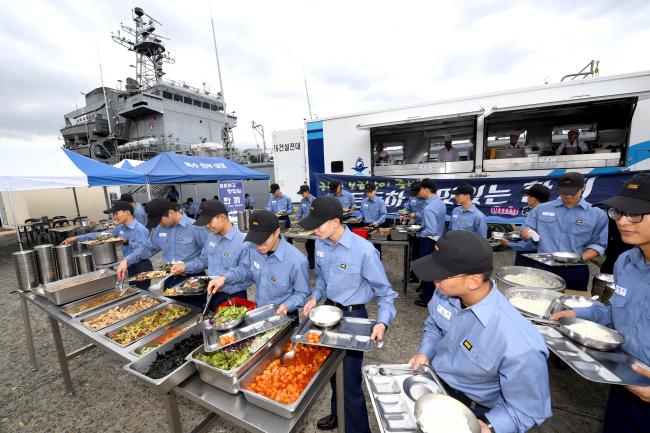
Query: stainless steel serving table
[233, 408]
[404, 244]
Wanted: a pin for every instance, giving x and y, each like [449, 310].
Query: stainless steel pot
[104, 253]
[553, 281]
[26, 269]
[65, 261]
[46, 263]
[85, 222]
[84, 262]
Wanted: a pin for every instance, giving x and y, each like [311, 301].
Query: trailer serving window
[579, 135]
[412, 147]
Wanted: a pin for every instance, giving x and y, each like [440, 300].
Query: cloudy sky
[356, 55]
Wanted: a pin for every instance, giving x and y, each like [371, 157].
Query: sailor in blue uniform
[466, 216]
[488, 355]
[280, 202]
[568, 224]
[349, 274]
[303, 211]
[345, 197]
[628, 408]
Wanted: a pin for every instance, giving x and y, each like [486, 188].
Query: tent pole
[149, 192]
[13, 214]
[196, 194]
[76, 201]
[108, 200]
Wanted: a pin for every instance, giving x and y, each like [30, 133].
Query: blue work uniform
[373, 210]
[220, 254]
[249, 202]
[564, 229]
[279, 204]
[494, 356]
[281, 277]
[433, 224]
[140, 214]
[305, 207]
[415, 205]
[346, 198]
[350, 273]
[628, 314]
[136, 234]
[471, 220]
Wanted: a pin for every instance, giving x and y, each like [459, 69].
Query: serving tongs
[205, 309]
[121, 285]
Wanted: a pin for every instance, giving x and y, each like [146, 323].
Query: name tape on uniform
[620, 290]
[444, 312]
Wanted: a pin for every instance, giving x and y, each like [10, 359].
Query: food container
[534, 294]
[184, 311]
[104, 253]
[603, 286]
[26, 269]
[92, 303]
[84, 262]
[284, 410]
[361, 231]
[165, 384]
[352, 333]
[335, 313]
[553, 281]
[65, 261]
[399, 235]
[240, 302]
[439, 403]
[46, 263]
[379, 235]
[73, 288]
[566, 257]
[585, 340]
[227, 380]
[85, 321]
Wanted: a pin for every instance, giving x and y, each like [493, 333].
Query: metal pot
[104, 253]
[555, 282]
[84, 262]
[65, 260]
[85, 222]
[26, 269]
[46, 263]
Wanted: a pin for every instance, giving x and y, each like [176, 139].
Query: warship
[151, 114]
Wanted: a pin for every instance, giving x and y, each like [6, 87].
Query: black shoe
[420, 303]
[329, 422]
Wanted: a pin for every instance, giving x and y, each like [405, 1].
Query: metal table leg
[173, 416]
[29, 338]
[60, 353]
[406, 268]
[340, 398]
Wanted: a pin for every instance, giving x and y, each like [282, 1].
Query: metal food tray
[74, 288]
[284, 410]
[133, 278]
[537, 294]
[177, 286]
[255, 322]
[376, 236]
[227, 380]
[594, 365]
[166, 306]
[165, 384]
[397, 234]
[186, 323]
[394, 409]
[352, 333]
[128, 292]
[119, 304]
[547, 259]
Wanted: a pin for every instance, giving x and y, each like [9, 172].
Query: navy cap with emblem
[322, 210]
[128, 197]
[634, 197]
[156, 209]
[208, 210]
[570, 183]
[263, 224]
[464, 188]
[430, 184]
[119, 205]
[539, 191]
[303, 188]
[458, 252]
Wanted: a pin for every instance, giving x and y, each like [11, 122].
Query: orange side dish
[313, 337]
[285, 383]
[226, 339]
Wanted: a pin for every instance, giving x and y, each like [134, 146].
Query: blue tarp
[100, 174]
[170, 167]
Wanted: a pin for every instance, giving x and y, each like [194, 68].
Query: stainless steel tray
[155, 331]
[547, 259]
[125, 303]
[167, 383]
[199, 292]
[594, 365]
[394, 408]
[352, 333]
[378, 236]
[227, 380]
[74, 288]
[255, 322]
[185, 324]
[284, 410]
[67, 309]
[399, 235]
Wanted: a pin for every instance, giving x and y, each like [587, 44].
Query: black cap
[634, 197]
[274, 187]
[539, 191]
[262, 225]
[156, 209]
[303, 188]
[127, 197]
[119, 205]
[370, 187]
[415, 187]
[429, 184]
[570, 183]
[464, 188]
[450, 257]
[334, 185]
[322, 210]
[208, 210]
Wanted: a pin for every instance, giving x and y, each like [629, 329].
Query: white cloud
[356, 55]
